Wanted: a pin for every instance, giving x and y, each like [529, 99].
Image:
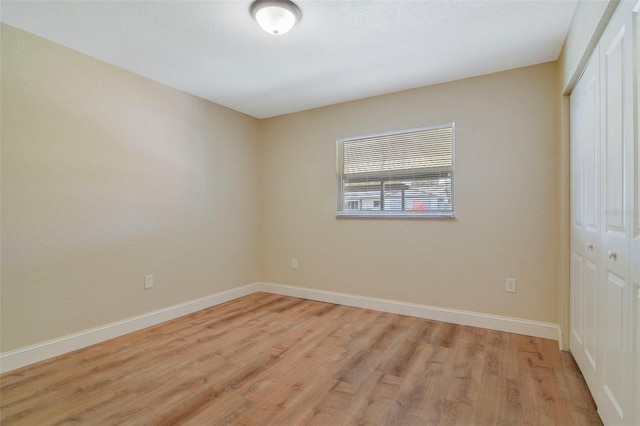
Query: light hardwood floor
[273, 360]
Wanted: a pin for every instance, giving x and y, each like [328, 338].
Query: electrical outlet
[148, 281]
[510, 285]
[294, 263]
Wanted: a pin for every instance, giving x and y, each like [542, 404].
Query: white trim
[493, 322]
[41, 351]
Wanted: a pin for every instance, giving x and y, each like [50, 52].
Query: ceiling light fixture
[275, 16]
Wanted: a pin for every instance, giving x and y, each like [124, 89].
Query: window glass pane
[365, 194]
[420, 194]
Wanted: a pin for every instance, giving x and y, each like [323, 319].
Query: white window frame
[394, 175]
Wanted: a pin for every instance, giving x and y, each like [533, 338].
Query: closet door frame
[634, 211]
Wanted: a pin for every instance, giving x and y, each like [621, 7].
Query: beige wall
[106, 177]
[507, 200]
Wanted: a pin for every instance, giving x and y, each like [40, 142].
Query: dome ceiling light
[276, 17]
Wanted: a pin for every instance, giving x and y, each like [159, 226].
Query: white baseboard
[493, 322]
[41, 351]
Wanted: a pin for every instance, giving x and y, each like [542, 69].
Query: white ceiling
[341, 50]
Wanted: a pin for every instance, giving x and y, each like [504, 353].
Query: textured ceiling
[340, 51]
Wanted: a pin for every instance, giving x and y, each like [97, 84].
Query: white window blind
[408, 173]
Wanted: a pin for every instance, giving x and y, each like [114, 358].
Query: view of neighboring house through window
[406, 173]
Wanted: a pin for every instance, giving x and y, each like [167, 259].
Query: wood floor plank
[267, 359]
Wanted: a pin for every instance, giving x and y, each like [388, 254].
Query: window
[407, 173]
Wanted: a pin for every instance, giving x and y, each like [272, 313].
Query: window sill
[394, 215]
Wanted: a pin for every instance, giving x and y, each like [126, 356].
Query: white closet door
[617, 129]
[635, 221]
[585, 235]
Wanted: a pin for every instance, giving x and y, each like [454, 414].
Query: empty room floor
[266, 359]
